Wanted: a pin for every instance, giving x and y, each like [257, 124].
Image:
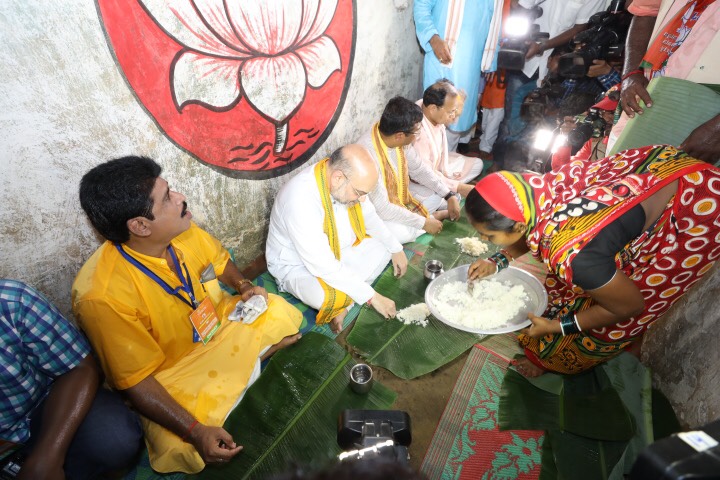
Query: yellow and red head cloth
[509, 194]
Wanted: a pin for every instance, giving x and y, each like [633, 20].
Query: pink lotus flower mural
[259, 62]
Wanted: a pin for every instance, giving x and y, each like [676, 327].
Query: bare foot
[336, 324]
[285, 342]
[526, 368]
[441, 215]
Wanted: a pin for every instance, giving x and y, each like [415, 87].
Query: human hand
[400, 263]
[39, 467]
[633, 90]
[464, 189]
[214, 444]
[542, 326]
[441, 49]
[383, 305]
[453, 208]
[481, 268]
[704, 142]
[534, 49]
[599, 67]
[251, 292]
[432, 225]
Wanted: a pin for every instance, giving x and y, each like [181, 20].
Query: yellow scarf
[335, 300]
[396, 183]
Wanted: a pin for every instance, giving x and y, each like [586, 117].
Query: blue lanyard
[186, 283]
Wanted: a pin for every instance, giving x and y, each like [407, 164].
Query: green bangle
[500, 260]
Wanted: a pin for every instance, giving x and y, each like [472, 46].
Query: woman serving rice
[622, 238]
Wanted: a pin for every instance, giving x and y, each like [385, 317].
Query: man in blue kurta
[454, 35]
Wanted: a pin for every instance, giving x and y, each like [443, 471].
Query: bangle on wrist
[569, 324]
[189, 430]
[631, 73]
[500, 260]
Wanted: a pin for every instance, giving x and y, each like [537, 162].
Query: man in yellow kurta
[141, 302]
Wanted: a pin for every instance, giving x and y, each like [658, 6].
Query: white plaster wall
[65, 107]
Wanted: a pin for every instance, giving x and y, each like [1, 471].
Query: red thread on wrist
[189, 430]
[630, 74]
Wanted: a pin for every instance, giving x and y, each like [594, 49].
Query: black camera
[536, 103]
[520, 33]
[365, 434]
[603, 40]
[588, 126]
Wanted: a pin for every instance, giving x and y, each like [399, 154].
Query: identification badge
[205, 321]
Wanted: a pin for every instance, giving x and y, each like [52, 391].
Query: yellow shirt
[135, 327]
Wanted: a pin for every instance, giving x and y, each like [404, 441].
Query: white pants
[367, 260]
[491, 120]
[453, 138]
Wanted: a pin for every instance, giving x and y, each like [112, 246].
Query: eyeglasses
[360, 194]
[413, 133]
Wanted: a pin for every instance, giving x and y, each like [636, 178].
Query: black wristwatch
[447, 197]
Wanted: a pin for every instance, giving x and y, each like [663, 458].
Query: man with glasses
[388, 142]
[326, 243]
[441, 103]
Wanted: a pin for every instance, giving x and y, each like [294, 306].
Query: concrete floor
[423, 398]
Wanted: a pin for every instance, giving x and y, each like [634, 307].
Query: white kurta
[298, 251]
[404, 224]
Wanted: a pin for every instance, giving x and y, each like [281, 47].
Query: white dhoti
[367, 261]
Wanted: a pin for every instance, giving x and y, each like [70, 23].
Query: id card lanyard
[186, 283]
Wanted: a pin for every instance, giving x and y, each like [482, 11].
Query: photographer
[562, 20]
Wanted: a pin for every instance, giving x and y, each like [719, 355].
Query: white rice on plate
[472, 246]
[414, 314]
[491, 305]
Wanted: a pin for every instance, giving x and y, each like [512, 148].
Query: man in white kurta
[389, 140]
[298, 250]
[440, 104]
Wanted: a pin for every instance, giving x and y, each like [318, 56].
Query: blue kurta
[430, 19]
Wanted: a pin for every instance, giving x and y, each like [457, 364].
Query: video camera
[592, 125]
[367, 434]
[603, 40]
[520, 31]
[536, 103]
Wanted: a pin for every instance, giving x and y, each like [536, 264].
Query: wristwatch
[447, 197]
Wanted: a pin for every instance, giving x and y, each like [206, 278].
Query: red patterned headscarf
[508, 194]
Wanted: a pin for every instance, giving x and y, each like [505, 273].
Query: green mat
[409, 351]
[595, 423]
[679, 106]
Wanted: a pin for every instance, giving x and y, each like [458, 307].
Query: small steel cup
[361, 378]
[433, 269]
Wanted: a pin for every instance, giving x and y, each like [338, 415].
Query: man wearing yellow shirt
[142, 304]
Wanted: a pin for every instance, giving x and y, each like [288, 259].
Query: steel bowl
[536, 303]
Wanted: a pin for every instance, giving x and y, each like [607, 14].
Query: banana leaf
[409, 351]
[290, 414]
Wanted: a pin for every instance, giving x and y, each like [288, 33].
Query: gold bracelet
[243, 282]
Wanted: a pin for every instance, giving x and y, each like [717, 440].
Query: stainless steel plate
[536, 303]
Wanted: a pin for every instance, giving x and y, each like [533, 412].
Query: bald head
[355, 162]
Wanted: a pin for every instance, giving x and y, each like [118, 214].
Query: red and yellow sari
[566, 208]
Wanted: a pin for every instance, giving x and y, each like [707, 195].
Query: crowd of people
[622, 237]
